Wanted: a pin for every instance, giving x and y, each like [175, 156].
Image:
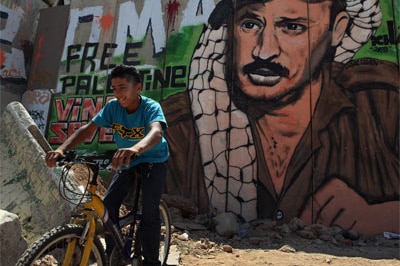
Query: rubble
[205, 241]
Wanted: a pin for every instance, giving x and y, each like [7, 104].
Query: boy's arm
[123, 156]
[75, 139]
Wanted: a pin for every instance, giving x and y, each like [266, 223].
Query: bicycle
[79, 242]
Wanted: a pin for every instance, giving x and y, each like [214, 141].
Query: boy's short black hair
[130, 73]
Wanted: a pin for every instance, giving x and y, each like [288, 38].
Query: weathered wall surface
[268, 117]
[28, 187]
[19, 21]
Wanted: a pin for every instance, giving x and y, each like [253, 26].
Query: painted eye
[248, 26]
[291, 27]
[295, 26]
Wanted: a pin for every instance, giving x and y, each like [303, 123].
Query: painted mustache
[265, 68]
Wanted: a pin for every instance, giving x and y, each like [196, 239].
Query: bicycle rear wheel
[116, 257]
[166, 232]
[50, 248]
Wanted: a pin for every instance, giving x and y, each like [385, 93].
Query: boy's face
[279, 45]
[126, 92]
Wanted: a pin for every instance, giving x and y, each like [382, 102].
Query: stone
[317, 229]
[184, 236]
[287, 249]
[296, 224]
[351, 234]
[13, 244]
[284, 229]
[307, 234]
[227, 248]
[226, 224]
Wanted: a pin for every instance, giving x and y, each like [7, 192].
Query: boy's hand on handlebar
[123, 157]
[53, 156]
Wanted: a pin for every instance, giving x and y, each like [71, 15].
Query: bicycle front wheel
[50, 248]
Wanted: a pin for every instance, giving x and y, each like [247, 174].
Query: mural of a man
[285, 123]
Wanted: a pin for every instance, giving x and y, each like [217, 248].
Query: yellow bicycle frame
[94, 204]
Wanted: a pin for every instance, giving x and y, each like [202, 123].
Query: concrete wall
[332, 160]
[19, 21]
[28, 187]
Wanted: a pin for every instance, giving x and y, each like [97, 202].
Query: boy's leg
[116, 192]
[152, 188]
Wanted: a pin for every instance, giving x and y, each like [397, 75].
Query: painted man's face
[279, 45]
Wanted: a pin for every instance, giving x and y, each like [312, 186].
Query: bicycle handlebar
[102, 160]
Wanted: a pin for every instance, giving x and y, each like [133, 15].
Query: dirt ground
[262, 244]
[204, 247]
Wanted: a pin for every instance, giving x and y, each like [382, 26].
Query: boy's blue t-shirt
[128, 129]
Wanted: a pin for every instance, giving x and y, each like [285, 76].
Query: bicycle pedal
[137, 262]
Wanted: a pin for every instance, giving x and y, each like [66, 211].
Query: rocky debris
[12, 242]
[196, 236]
[266, 234]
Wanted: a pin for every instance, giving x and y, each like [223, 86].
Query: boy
[138, 124]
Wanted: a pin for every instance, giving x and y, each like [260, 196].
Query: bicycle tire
[116, 257]
[50, 248]
[166, 232]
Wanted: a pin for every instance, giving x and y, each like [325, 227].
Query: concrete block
[12, 242]
[25, 175]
